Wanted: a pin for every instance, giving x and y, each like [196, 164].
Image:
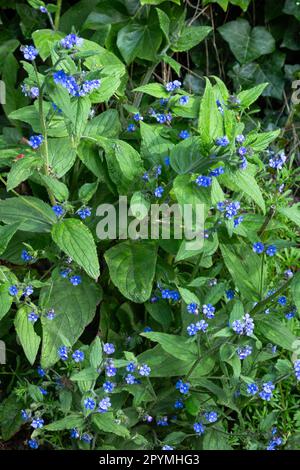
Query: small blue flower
[70, 41]
[33, 443]
[240, 139]
[137, 117]
[104, 405]
[130, 367]
[130, 379]
[29, 52]
[184, 134]
[208, 310]
[158, 192]
[271, 250]
[297, 369]
[25, 256]
[162, 421]
[258, 247]
[43, 9]
[63, 353]
[27, 291]
[167, 161]
[199, 428]
[192, 330]
[222, 141]
[51, 314]
[166, 447]
[147, 329]
[65, 272]
[252, 389]
[130, 128]
[244, 163]
[75, 280]
[74, 434]
[171, 86]
[238, 221]
[217, 171]
[183, 100]
[108, 348]
[230, 294]
[87, 438]
[35, 141]
[37, 423]
[43, 391]
[144, 370]
[202, 325]
[242, 151]
[290, 315]
[24, 415]
[231, 209]
[244, 352]
[78, 355]
[13, 290]
[282, 300]
[267, 391]
[58, 210]
[89, 403]
[211, 416]
[84, 212]
[288, 274]
[183, 387]
[161, 118]
[110, 370]
[32, 317]
[192, 308]
[41, 371]
[178, 405]
[278, 161]
[204, 181]
[108, 387]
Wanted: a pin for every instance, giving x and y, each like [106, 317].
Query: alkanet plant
[87, 312]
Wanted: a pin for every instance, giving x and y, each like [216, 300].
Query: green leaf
[153, 89]
[75, 239]
[177, 346]
[29, 340]
[44, 40]
[105, 422]
[246, 43]
[87, 191]
[190, 37]
[139, 40]
[132, 267]
[210, 125]
[188, 296]
[164, 22]
[86, 374]
[275, 331]
[292, 213]
[33, 214]
[261, 141]
[106, 124]
[160, 312]
[10, 416]
[68, 422]
[96, 352]
[247, 97]
[6, 234]
[216, 439]
[75, 308]
[295, 289]
[58, 189]
[243, 180]
[62, 155]
[21, 170]
[139, 205]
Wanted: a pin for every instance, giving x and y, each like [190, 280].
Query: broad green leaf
[210, 125]
[68, 422]
[275, 331]
[139, 40]
[75, 239]
[10, 416]
[6, 233]
[75, 308]
[247, 97]
[190, 37]
[44, 40]
[292, 213]
[106, 422]
[106, 124]
[62, 155]
[96, 353]
[139, 205]
[21, 170]
[295, 289]
[153, 89]
[246, 43]
[261, 141]
[132, 267]
[160, 312]
[177, 346]
[58, 189]
[245, 181]
[188, 296]
[29, 340]
[86, 374]
[87, 191]
[164, 22]
[33, 214]
[216, 439]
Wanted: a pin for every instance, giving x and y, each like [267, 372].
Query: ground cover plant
[129, 340]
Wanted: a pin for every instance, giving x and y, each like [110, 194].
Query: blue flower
[184, 134]
[32, 317]
[166, 447]
[89, 403]
[183, 387]
[137, 117]
[31, 92]
[208, 310]
[58, 210]
[75, 280]
[211, 416]
[13, 290]
[202, 325]
[271, 250]
[167, 161]
[163, 421]
[24, 415]
[192, 308]
[29, 52]
[278, 161]
[221, 206]
[230, 294]
[267, 391]
[104, 404]
[290, 315]
[43, 9]
[244, 163]
[25, 256]
[87, 438]
[35, 141]
[158, 192]
[245, 326]
[244, 352]
[50, 314]
[33, 443]
[70, 41]
[130, 379]
[161, 118]
[238, 221]
[232, 209]
[222, 141]
[74, 434]
[252, 389]
[108, 348]
[84, 212]
[130, 367]
[199, 428]
[183, 100]
[41, 371]
[204, 181]
[130, 128]
[297, 369]
[63, 353]
[78, 355]
[43, 391]
[192, 329]
[282, 300]
[258, 247]
[242, 151]
[37, 423]
[108, 387]
[171, 86]
[157, 171]
[110, 369]
[217, 171]
[178, 405]
[274, 442]
[219, 106]
[240, 138]
[88, 86]
[65, 272]
[144, 370]
[27, 291]
[147, 329]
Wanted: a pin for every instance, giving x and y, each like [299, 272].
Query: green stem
[57, 14]
[262, 276]
[261, 305]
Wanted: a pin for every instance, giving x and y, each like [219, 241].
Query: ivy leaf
[132, 267]
[75, 239]
[29, 340]
[74, 307]
[245, 43]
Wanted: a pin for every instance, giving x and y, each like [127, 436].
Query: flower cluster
[35, 141]
[70, 41]
[265, 391]
[31, 92]
[74, 86]
[172, 86]
[277, 161]
[244, 352]
[245, 326]
[259, 248]
[230, 210]
[29, 52]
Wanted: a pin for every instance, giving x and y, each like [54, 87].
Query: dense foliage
[162, 102]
